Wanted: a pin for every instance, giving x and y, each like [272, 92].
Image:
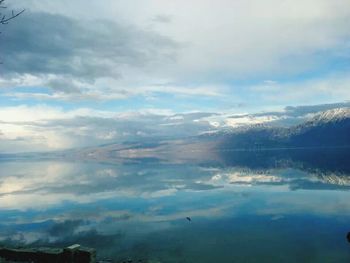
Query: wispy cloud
[167, 58]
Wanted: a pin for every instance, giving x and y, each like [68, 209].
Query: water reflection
[244, 208]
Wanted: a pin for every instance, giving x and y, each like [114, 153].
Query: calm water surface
[263, 207]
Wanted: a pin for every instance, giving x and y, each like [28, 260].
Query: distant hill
[311, 145]
[326, 129]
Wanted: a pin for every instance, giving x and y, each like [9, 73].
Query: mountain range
[326, 129]
[320, 142]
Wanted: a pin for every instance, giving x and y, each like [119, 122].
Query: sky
[81, 73]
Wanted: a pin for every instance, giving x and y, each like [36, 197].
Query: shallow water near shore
[280, 209]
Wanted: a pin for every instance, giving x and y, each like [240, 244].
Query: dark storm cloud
[42, 44]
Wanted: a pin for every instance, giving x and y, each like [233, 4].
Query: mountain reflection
[130, 208]
[87, 181]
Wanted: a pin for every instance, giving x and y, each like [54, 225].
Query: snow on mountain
[333, 115]
[229, 121]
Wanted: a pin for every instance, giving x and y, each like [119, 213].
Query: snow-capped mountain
[330, 128]
[329, 116]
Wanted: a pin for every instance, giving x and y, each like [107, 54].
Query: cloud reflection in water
[129, 208]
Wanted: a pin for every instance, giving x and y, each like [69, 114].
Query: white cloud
[24, 113]
[327, 89]
[23, 127]
[223, 40]
[43, 128]
[239, 38]
[103, 89]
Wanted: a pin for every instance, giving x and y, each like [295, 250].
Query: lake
[266, 206]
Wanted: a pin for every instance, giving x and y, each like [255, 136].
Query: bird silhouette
[188, 218]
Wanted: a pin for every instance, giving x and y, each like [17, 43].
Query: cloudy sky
[78, 73]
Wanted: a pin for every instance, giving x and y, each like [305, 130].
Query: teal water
[260, 208]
